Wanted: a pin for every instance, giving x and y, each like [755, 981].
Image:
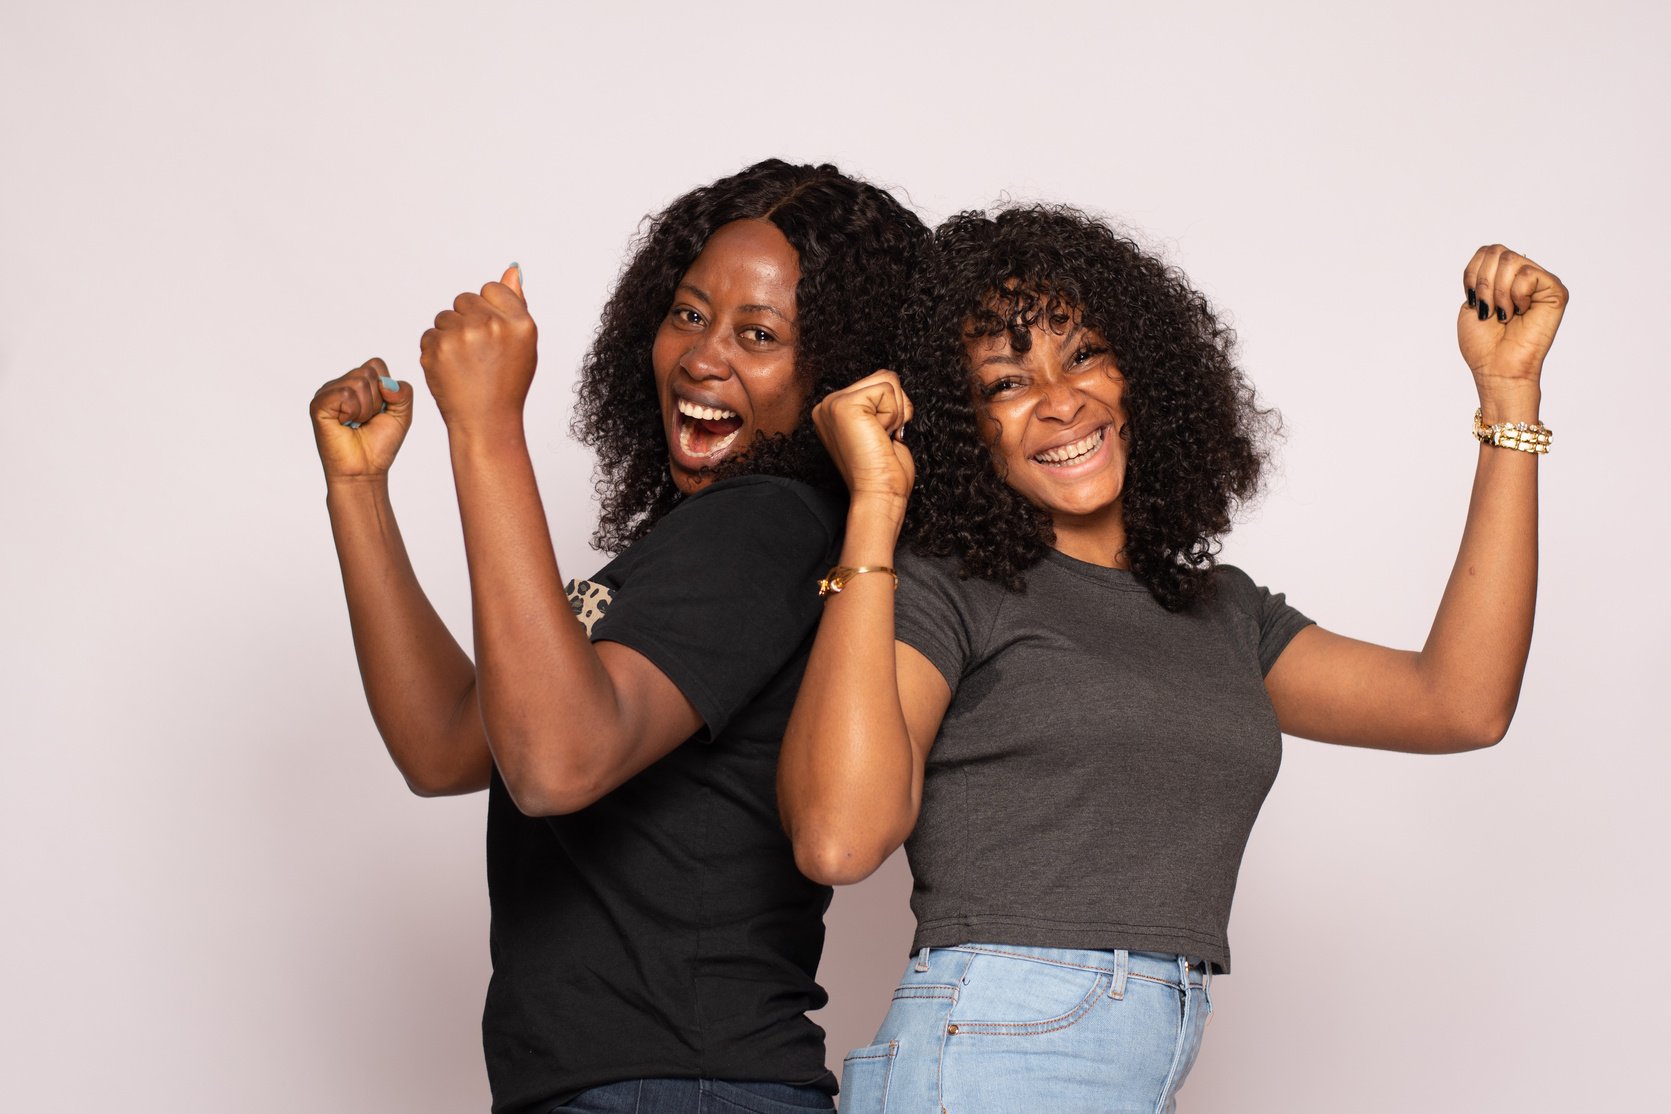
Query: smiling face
[1052, 417]
[724, 355]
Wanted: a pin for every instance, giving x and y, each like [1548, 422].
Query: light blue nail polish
[352, 425]
[389, 384]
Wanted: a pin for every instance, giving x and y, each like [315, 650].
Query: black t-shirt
[664, 931]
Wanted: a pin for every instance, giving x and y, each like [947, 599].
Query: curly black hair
[858, 249]
[1197, 438]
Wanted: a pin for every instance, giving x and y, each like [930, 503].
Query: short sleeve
[1276, 622]
[723, 592]
[935, 614]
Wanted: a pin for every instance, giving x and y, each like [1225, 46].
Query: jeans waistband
[1177, 970]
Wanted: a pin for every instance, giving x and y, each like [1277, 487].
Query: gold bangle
[1528, 437]
[836, 579]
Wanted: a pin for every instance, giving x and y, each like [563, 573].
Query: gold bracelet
[1528, 437]
[836, 579]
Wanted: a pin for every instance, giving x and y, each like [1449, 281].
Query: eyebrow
[752, 307]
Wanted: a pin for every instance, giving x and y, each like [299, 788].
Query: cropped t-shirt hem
[1034, 932]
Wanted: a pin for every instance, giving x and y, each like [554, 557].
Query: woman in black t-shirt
[1078, 766]
[652, 940]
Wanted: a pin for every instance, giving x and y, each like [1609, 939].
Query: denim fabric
[695, 1096]
[995, 1029]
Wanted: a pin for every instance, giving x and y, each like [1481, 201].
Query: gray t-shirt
[1102, 761]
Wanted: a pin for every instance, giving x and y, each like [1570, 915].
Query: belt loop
[1207, 975]
[922, 960]
[1122, 965]
[1183, 972]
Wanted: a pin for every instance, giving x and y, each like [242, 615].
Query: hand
[383, 413]
[1509, 321]
[862, 427]
[479, 358]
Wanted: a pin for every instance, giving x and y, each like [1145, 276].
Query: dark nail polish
[1501, 316]
[1473, 302]
[1485, 311]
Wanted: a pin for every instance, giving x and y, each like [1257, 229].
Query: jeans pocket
[865, 1075]
[1016, 996]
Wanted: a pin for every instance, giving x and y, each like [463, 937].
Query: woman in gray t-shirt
[1068, 707]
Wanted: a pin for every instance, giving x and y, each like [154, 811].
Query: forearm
[849, 784]
[1475, 654]
[547, 702]
[419, 684]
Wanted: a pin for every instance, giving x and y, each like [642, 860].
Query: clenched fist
[360, 420]
[1509, 321]
[479, 358]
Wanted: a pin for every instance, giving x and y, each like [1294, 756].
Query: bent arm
[851, 772]
[1460, 690]
[566, 720]
[420, 685]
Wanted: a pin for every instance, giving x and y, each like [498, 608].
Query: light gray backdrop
[218, 895]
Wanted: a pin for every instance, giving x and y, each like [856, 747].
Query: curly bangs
[1196, 435]
[858, 249]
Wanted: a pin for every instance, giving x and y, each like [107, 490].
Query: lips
[1074, 452]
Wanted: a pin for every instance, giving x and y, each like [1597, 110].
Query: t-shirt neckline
[1118, 579]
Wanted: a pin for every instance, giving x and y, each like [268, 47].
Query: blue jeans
[695, 1096]
[996, 1029]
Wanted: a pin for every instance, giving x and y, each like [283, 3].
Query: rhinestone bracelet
[1528, 437]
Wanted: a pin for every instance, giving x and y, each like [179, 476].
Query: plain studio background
[218, 894]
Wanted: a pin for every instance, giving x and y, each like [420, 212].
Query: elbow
[1474, 729]
[835, 862]
[553, 789]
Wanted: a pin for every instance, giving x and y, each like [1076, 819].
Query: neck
[1097, 539]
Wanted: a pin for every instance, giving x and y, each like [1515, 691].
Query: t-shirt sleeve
[1278, 623]
[934, 614]
[723, 593]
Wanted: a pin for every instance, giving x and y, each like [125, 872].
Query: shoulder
[765, 502]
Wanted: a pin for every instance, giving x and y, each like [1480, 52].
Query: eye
[684, 315]
[1087, 353]
[1000, 386]
[754, 334]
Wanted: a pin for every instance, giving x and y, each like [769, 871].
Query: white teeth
[718, 447]
[1072, 454]
[703, 413]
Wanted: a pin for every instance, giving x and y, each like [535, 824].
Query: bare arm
[418, 682]
[566, 720]
[1460, 690]
[851, 771]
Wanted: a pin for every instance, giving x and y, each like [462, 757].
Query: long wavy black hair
[858, 250]
[1196, 435]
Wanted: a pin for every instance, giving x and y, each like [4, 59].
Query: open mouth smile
[1077, 452]
[706, 432]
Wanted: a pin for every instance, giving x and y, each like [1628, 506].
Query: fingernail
[389, 384]
[1485, 311]
[1473, 301]
[1501, 316]
[352, 425]
[518, 267]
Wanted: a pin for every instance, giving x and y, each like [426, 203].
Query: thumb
[397, 396]
[513, 279]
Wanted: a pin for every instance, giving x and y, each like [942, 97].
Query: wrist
[488, 435]
[873, 527]
[348, 489]
[1512, 400]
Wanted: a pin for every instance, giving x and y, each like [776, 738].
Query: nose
[1059, 400]
[707, 357]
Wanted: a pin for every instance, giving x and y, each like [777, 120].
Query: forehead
[1020, 343]
[747, 256]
